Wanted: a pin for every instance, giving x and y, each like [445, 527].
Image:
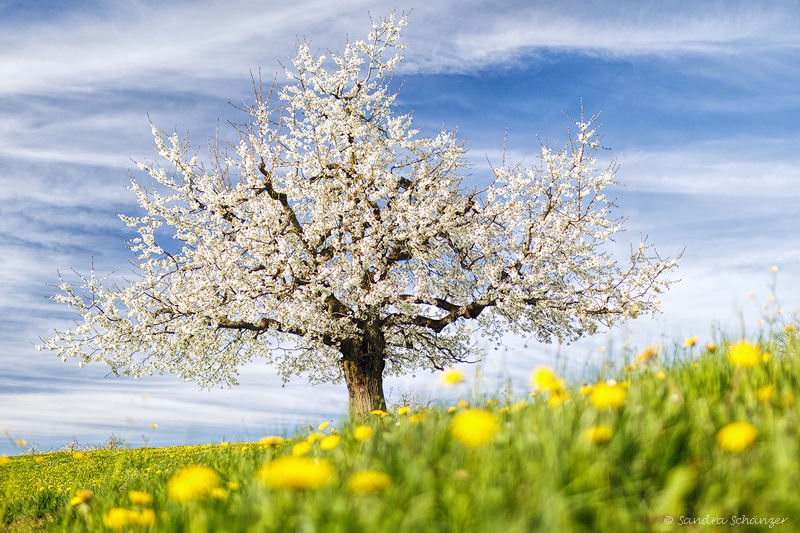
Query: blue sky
[700, 103]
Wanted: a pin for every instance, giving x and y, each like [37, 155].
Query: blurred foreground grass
[673, 443]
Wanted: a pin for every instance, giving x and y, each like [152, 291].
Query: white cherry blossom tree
[338, 242]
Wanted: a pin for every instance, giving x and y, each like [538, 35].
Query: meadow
[699, 436]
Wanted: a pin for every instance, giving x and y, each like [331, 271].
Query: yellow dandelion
[462, 404]
[544, 378]
[690, 342]
[557, 397]
[452, 376]
[504, 409]
[451, 409]
[117, 518]
[145, 517]
[774, 269]
[271, 441]
[77, 455]
[630, 368]
[289, 472]
[403, 410]
[491, 403]
[415, 418]
[330, 442]
[232, 485]
[81, 496]
[191, 483]
[379, 412]
[219, 493]
[154, 426]
[647, 354]
[323, 426]
[314, 437]
[140, 498]
[598, 434]
[368, 481]
[21, 443]
[766, 357]
[737, 436]
[744, 354]
[301, 448]
[606, 395]
[362, 433]
[661, 375]
[473, 427]
[4, 460]
[585, 390]
[764, 394]
[711, 348]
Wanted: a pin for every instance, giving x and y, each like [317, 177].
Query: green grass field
[674, 442]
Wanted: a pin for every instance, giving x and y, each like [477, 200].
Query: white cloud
[151, 46]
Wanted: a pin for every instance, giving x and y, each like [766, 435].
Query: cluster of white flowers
[335, 218]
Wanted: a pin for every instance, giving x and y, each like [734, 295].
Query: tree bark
[363, 361]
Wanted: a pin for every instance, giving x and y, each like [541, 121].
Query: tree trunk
[363, 361]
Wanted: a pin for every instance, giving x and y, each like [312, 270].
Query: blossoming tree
[339, 243]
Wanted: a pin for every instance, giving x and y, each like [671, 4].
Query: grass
[530, 465]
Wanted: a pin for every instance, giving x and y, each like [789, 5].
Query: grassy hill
[703, 438]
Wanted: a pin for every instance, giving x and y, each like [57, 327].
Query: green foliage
[538, 471]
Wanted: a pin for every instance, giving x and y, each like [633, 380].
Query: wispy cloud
[149, 46]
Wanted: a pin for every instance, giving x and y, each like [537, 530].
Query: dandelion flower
[473, 427]
[744, 354]
[403, 410]
[764, 394]
[330, 442]
[368, 481]
[4, 460]
[737, 436]
[774, 269]
[598, 434]
[117, 518]
[314, 437]
[301, 448]
[145, 517]
[416, 418]
[21, 443]
[452, 376]
[154, 426]
[219, 493]
[647, 354]
[140, 498]
[462, 404]
[233, 485]
[711, 348]
[585, 390]
[323, 426]
[452, 409]
[544, 378]
[604, 395]
[271, 441]
[192, 482]
[81, 496]
[557, 397]
[379, 412]
[690, 342]
[362, 433]
[289, 472]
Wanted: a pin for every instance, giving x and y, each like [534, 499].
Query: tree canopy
[335, 240]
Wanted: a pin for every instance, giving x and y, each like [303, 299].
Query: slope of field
[702, 436]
